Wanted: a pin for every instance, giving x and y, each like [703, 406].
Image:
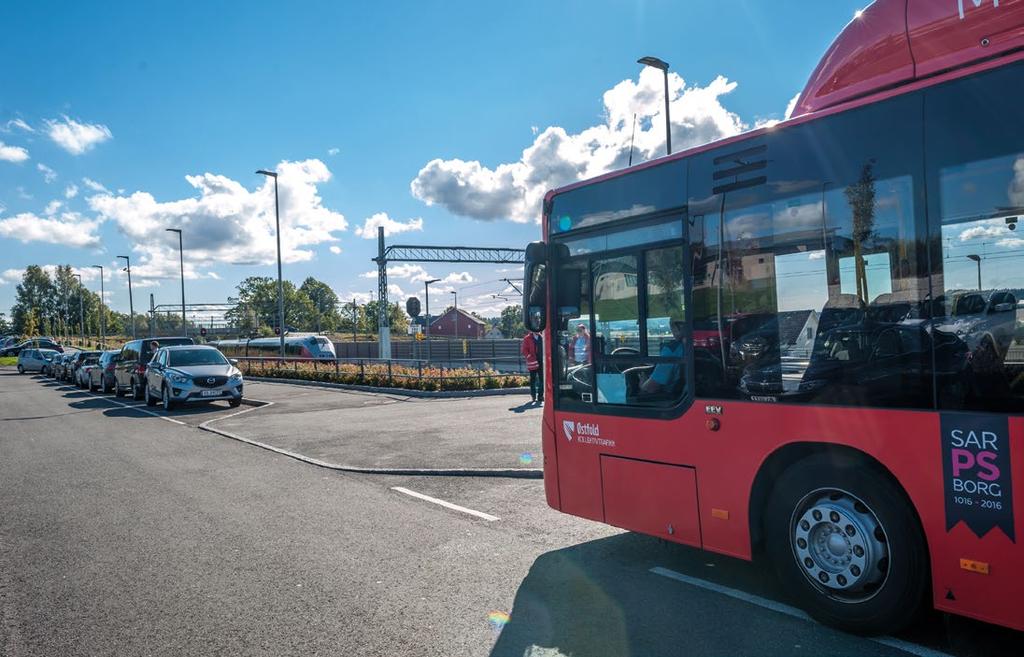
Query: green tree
[33, 300]
[257, 306]
[511, 322]
[861, 197]
[325, 304]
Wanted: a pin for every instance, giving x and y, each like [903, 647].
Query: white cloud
[816, 255]
[515, 190]
[333, 151]
[69, 229]
[990, 228]
[49, 175]
[11, 276]
[214, 275]
[74, 137]
[791, 105]
[14, 154]
[335, 249]
[52, 207]
[391, 226]
[1011, 243]
[458, 278]
[226, 223]
[71, 191]
[95, 186]
[17, 123]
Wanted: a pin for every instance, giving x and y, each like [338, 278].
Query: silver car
[191, 373]
[35, 360]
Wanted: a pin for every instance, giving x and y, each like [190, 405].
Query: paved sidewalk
[384, 430]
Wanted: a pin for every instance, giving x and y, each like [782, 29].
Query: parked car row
[166, 371]
[11, 346]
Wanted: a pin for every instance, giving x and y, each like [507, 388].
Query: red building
[468, 326]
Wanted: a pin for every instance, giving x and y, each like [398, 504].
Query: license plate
[210, 393]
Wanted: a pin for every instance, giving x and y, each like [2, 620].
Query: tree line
[49, 305]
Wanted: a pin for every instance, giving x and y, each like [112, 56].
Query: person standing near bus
[532, 348]
[579, 346]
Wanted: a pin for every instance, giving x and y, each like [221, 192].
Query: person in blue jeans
[666, 376]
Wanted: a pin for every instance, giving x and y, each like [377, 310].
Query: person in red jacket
[532, 350]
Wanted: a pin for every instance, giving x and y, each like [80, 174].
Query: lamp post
[977, 258]
[280, 283]
[455, 293]
[81, 311]
[181, 264]
[103, 319]
[426, 322]
[654, 62]
[131, 302]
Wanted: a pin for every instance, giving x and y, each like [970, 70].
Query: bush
[378, 375]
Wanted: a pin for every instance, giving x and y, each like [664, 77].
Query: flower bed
[384, 375]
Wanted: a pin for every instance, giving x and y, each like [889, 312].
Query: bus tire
[846, 543]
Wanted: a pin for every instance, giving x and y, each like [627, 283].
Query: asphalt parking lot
[128, 531]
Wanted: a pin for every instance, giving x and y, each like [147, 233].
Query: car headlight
[235, 376]
[177, 378]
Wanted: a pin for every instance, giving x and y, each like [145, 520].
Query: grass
[8, 360]
[380, 375]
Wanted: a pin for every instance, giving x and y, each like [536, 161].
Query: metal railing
[472, 374]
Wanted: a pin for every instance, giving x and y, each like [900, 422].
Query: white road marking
[137, 407]
[448, 505]
[771, 605]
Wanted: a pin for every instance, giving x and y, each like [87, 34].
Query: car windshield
[196, 357]
[91, 360]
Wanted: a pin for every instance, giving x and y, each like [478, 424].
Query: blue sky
[449, 118]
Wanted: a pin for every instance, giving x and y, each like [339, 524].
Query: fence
[503, 355]
[406, 374]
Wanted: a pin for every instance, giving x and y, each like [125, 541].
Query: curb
[512, 473]
[394, 391]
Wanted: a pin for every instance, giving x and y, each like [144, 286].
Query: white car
[82, 373]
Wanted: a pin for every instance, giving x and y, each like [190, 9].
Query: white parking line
[905, 646]
[136, 407]
[448, 505]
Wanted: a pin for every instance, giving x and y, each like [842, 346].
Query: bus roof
[890, 47]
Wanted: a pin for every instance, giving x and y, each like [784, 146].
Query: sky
[443, 122]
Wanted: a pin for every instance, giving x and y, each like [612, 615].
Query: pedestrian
[579, 346]
[533, 351]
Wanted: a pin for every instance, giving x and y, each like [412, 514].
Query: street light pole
[103, 319]
[426, 322]
[654, 62]
[280, 283]
[181, 264]
[131, 302]
[81, 311]
[455, 293]
[977, 258]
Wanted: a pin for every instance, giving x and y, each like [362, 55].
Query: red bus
[808, 340]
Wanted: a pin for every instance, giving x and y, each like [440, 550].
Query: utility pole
[280, 281]
[383, 323]
[426, 320]
[181, 264]
[81, 311]
[103, 319]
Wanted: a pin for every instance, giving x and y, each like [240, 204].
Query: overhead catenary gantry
[414, 253]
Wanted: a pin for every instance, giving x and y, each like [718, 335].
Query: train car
[295, 346]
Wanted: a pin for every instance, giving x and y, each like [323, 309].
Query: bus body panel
[725, 463]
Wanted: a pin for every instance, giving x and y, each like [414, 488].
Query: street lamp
[977, 258]
[81, 312]
[426, 322]
[455, 293]
[131, 302]
[103, 319]
[181, 264]
[280, 283]
[654, 62]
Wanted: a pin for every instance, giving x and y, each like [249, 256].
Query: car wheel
[21, 370]
[118, 391]
[136, 391]
[847, 544]
[168, 402]
[235, 403]
[150, 399]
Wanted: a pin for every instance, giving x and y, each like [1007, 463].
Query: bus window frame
[686, 400]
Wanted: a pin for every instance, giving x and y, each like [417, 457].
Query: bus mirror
[535, 286]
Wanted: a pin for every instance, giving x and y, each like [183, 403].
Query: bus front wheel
[845, 541]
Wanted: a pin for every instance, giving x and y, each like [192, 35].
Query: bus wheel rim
[840, 545]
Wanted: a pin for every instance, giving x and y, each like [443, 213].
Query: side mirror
[1003, 307]
[233, 361]
[535, 286]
